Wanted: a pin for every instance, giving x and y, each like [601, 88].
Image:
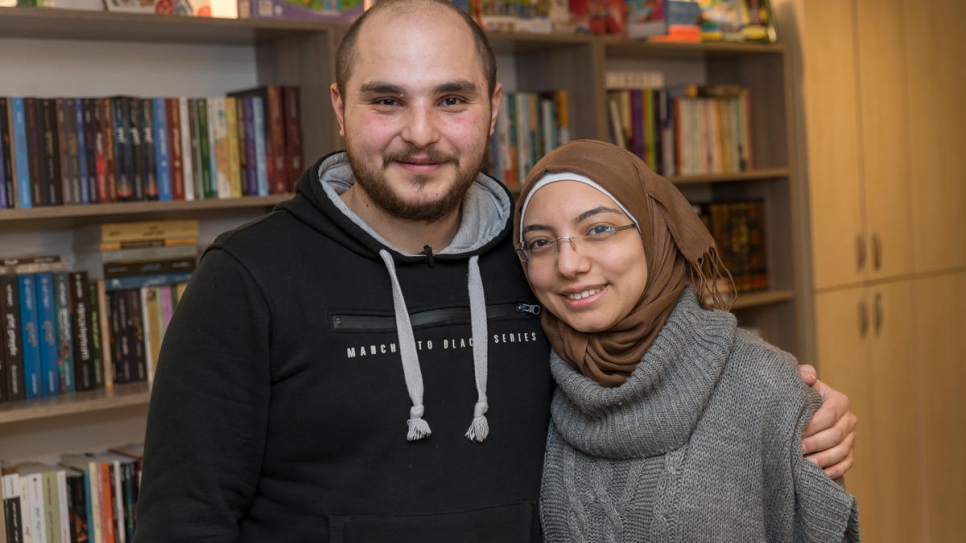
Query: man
[366, 363]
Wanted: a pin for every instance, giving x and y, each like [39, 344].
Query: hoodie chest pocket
[449, 316]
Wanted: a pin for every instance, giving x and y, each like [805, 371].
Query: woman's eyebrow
[596, 211]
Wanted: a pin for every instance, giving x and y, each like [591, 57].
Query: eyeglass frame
[524, 254]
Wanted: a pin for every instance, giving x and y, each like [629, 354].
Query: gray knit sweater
[701, 444]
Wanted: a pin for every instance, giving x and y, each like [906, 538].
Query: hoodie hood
[486, 212]
[487, 208]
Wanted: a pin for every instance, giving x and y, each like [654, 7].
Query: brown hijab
[678, 248]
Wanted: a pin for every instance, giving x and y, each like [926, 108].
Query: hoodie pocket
[506, 523]
[433, 317]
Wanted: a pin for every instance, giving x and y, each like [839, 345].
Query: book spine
[234, 155]
[50, 151]
[35, 150]
[122, 149]
[47, 334]
[69, 163]
[80, 137]
[106, 131]
[138, 160]
[6, 168]
[87, 107]
[161, 148]
[128, 269]
[119, 343]
[78, 513]
[21, 153]
[97, 346]
[60, 154]
[106, 362]
[275, 134]
[65, 335]
[31, 339]
[12, 506]
[293, 135]
[204, 148]
[174, 148]
[261, 151]
[83, 358]
[149, 170]
[136, 329]
[187, 147]
[12, 337]
[140, 281]
[248, 135]
[221, 177]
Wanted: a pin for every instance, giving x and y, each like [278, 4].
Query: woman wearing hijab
[668, 422]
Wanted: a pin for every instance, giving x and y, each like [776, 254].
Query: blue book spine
[248, 133]
[20, 145]
[29, 324]
[161, 158]
[46, 317]
[141, 281]
[82, 152]
[258, 125]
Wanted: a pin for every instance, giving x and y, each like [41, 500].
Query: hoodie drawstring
[479, 428]
[418, 428]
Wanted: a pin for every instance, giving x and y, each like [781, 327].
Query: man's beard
[374, 183]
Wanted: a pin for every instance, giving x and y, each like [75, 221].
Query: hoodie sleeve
[208, 414]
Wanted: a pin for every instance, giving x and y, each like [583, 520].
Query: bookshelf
[108, 53]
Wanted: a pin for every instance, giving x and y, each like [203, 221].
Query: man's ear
[495, 101]
[339, 106]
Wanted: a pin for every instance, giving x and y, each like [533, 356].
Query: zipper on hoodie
[432, 317]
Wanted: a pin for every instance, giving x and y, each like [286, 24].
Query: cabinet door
[865, 349]
[936, 76]
[831, 108]
[842, 328]
[894, 417]
[942, 352]
[884, 138]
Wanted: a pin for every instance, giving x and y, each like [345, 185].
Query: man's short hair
[345, 56]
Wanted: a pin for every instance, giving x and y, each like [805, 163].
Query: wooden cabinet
[101, 54]
[881, 144]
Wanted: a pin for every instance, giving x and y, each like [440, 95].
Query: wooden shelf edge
[72, 404]
[129, 208]
[754, 175]
[748, 300]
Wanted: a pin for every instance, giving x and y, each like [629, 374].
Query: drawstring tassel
[479, 428]
[418, 428]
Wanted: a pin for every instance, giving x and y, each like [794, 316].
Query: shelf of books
[78, 403]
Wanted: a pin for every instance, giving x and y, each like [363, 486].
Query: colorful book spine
[65, 335]
[293, 134]
[234, 154]
[149, 168]
[20, 146]
[87, 106]
[161, 149]
[175, 156]
[187, 148]
[29, 324]
[84, 361]
[122, 149]
[208, 186]
[141, 281]
[258, 133]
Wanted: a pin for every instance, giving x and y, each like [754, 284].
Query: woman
[668, 422]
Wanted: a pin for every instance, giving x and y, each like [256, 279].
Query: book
[97, 333]
[30, 334]
[51, 155]
[12, 338]
[65, 335]
[209, 186]
[35, 149]
[10, 492]
[84, 360]
[109, 233]
[149, 167]
[138, 173]
[78, 512]
[80, 140]
[140, 281]
[123, 149]
[7, 199]
[106, 361]
[175, 152]
[94, 491]
[21, 168]
[104, 149]
[147, 254]
[151, 267]
[87, 107]
[293, 134]
[645, 18]
[234, 153]
[161, 150]
[47, 334]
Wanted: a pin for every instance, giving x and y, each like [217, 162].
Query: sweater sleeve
[825, 511]
[208, 413]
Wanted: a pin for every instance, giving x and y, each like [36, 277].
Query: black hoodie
[280, 403]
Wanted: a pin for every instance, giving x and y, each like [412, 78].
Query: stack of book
[738, 228]
[75, 151]
[145, 268]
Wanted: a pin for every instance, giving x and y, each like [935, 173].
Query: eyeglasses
[542, 248]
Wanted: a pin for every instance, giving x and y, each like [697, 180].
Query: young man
[366, 363]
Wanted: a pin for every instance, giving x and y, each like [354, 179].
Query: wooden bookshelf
[302, 53]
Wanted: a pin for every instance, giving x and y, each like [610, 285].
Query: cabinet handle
[860, 252]
[863, 320]
[877, 315]
[876, 252]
